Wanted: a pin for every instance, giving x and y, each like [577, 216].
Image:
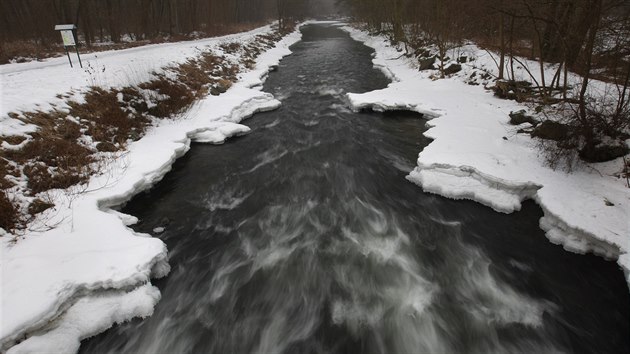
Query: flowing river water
[305, 237]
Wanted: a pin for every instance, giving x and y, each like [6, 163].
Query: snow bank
[89, 270]
[89, 316]
[476, 154]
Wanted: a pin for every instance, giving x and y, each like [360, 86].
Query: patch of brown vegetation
[177, 97]
[54, 163]
[13, 140]
[39, 206]
[231, 48]
[9, 215]
[23, 51]
[107, 121]
[5, 170]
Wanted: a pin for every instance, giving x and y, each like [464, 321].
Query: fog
[325, 8]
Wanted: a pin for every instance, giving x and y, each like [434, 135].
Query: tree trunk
[588, 52]
[502, 43]
[114, 33]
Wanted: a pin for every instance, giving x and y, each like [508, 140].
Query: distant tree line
[113, 20]
[559, 31]
[588, 37]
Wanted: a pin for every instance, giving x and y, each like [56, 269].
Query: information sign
[68, 38]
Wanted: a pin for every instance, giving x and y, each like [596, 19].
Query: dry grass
[9, 215]
[106, 117]
[54, 164]
[5, 170]
[13, 140]
[23, 51]
[231, 48]
[39, 206]
[178, 97]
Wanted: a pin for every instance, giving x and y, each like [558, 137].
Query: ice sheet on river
[477, 155]
[90, 270]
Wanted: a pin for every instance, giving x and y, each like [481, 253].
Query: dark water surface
[305, 237]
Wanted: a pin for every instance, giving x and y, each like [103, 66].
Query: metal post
[68, 54]
[78, 55]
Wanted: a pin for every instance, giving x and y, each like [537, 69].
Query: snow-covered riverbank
[477, 155]
[91, 270]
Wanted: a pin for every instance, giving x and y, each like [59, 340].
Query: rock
[462, 59]
[426, 63]
[423, 53]
[603, 152]
[519, 117]
[220, 87]
[510, 89]
[551, 130]
[134, 135]
[106, 147]
[452, 69]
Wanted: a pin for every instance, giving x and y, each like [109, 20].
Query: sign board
[65, 27]
[67, 35]
[68, 38]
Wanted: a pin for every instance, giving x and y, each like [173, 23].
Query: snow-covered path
[37, 85]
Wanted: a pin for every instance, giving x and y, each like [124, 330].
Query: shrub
[53, 163]
[598, 136]
[4, 172]
[108, 121]
[39, 206]
[9, 215]
[178, 97]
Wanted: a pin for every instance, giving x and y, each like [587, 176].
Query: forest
[100, 21]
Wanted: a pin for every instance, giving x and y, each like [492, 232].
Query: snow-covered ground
[86, 269]
[476, 154]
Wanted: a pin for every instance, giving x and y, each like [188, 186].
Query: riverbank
[89, 270]
[476, 154]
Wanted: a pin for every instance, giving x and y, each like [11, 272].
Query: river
[305, 237]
